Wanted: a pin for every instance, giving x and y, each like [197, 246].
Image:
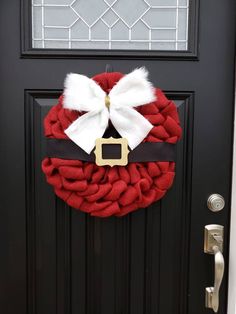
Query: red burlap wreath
[106, 191]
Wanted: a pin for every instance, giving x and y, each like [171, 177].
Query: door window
[111, 24]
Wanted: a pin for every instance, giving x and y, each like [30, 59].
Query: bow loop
[84, 94]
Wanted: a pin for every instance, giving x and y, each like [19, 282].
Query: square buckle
[122, 161]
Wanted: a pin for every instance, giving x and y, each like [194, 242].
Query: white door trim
[232, 252]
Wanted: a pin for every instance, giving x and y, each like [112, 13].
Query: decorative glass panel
[110, 24]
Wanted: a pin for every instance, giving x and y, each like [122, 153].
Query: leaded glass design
[110, 24]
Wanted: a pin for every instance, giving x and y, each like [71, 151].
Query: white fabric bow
[84, 94]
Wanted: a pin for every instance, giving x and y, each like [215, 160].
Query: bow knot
[84, 94]
[107, 101]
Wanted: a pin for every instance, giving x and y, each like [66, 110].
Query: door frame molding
[232, 247]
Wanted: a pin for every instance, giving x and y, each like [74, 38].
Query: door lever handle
[214, 245]
[212, 293]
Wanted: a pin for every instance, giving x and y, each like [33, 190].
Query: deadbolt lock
[215, 202]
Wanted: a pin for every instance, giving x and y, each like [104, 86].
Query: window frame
[27, 51]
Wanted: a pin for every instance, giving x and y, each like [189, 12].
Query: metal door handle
[214, 245]
[212, 293]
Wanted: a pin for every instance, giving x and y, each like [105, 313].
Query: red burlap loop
[106, 191]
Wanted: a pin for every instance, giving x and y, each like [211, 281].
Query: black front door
[58, 260]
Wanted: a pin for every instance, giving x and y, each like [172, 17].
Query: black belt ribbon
[66, 149]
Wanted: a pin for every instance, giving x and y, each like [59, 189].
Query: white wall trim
[232, 252]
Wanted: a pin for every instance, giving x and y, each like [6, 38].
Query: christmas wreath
[150, 118]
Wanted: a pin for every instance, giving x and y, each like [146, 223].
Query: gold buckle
[122, 161]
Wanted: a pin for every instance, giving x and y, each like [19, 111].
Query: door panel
[58, 260]
[89, 265]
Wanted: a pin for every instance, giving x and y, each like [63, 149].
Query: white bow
[84, 94]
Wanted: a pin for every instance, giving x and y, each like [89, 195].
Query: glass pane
[110, 24]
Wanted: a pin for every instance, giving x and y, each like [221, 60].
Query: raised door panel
[81, 264]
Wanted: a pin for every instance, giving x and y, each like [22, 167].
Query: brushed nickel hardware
[215, 202]
[213, 244]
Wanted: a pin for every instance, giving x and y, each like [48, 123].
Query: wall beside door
[232, 252]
